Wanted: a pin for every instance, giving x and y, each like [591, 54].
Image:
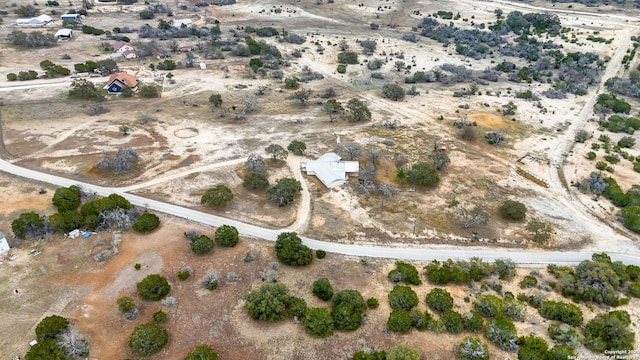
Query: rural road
[399, 251]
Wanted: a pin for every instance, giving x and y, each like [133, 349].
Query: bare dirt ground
[186, 148]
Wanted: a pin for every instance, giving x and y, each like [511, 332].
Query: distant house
[122, 46]
[330, 169]
[186, 49]
[35, 21]
[119, 81]
[4, 245]
[76, 17]
[64, 34]
[180, 23]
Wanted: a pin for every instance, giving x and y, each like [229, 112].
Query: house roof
[118, 44]
[127, 79]
[64, 32]
[330, 169]
[179, 22]
[44, 18]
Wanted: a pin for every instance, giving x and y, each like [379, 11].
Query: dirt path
[304, 204]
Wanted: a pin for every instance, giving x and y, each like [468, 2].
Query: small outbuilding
[179, 23]
[330, 169]
[64, 34]
[4, 245]
[76, 17]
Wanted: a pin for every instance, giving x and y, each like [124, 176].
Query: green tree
[277, 152]
[201, 352]
[26, 11]
[347, 309]
[297, 307]
[148, 339]
[501, 331]
[399, 321]
[227, 235]
[439, 300]
[472, 321]
[50, 326]
[146, 14]
[66, 199]
[297, 147]
[357, 111]
[85, 89]
[513, 210]
[488, 305]
[561, 311]
[269, 302]
[405, 272]
[302, 95]
[403, 297]
[565, 334]
[393, 91]
[146, 223]
[540, 230]
[472, 348]
[255, 180]
[149, 91]
[402, 352]
[291, 82]
[505, 268]
[65, 221]
[322, 289]
[284, 191]
[515, 309]
[126, 303]
[452, 321]
[609, 331]
[318, 322]
[532, 348]
[153, 287]
[423, 174]
[255, 64]
[561, 352]
[217, 196]
[440, 160]
[201, 245]
[28, 225]
[348, 57]
[291, 251]
[46, 350]
[160, 317]
[215, 100]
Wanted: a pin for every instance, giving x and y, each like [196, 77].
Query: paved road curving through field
[393, 251]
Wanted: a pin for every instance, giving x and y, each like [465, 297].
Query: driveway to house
[398, 251]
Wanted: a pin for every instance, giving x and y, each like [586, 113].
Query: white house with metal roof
[4, 245]
[330, 169]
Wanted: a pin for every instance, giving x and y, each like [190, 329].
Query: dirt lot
[65, 280]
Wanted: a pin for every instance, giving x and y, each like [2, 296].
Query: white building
[35, 21]
[64, 34]
[180, 22]
[4, 245]
[330, 169]
[71, 17]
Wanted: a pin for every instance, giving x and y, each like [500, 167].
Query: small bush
[320, 254]
[160, 317]
[146, 223]
[513, 210]
[372, 303]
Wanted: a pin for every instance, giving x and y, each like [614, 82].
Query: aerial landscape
[319, 179]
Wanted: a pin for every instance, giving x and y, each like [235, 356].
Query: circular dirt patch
[492, 121]
[186, 133]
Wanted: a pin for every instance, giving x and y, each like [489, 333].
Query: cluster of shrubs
[617, 123]
[112, 212]
[33, 39]
[463, 272]
[629, 201]
[58, 339]
[599, 280]
[273, 302]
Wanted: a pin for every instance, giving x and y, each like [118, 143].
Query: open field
[187, 146]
